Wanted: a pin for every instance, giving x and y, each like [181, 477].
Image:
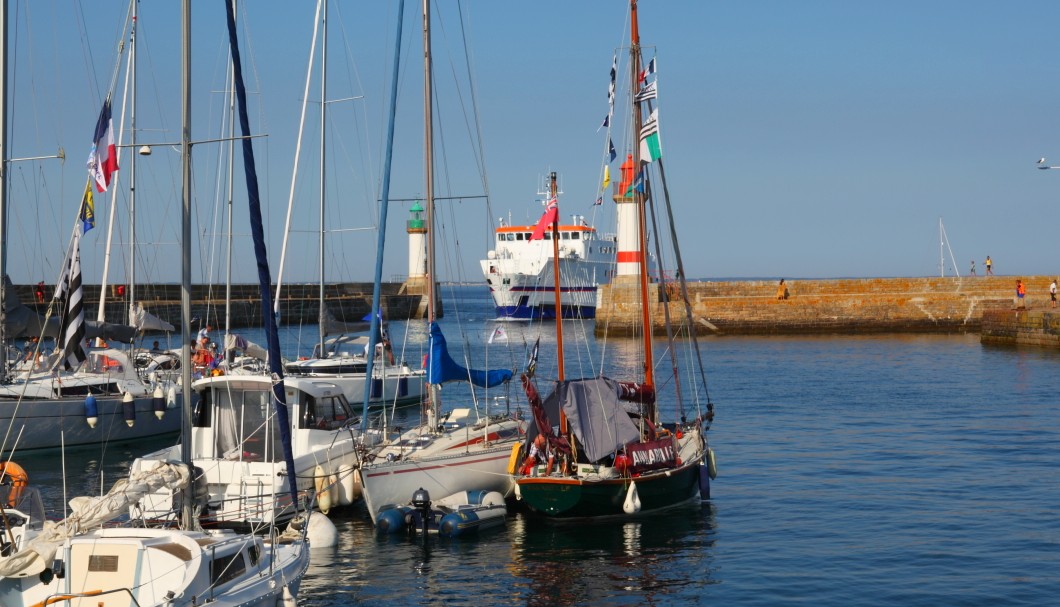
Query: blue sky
[801, 139]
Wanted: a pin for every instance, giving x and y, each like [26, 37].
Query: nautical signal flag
[607, 177]
[550, 216]
[103, 160]
[88, 209]
[611, 153]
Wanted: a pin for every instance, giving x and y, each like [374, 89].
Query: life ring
[13, 474]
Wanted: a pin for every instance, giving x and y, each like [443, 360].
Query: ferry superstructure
[519, 271]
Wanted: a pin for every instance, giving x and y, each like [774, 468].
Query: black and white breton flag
[69, 293]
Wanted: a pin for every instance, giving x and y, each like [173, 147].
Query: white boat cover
[90, 512]
[144, 321]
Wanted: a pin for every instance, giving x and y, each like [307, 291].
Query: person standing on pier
[973, 268]
[989, 266]
[782, 290]
[1052, 292]
[1021, 292]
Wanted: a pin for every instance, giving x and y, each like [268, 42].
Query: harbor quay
[976, 304]
[299, 303]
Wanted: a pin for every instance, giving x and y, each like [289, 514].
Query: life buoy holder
[12, 474]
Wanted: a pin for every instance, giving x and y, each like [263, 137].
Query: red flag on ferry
[550, 217]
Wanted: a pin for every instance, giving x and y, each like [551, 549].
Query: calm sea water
[876, 470]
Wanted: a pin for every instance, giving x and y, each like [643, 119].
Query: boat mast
[323, 134]
[230, 196]
[428, 148]
[553, 192]
[384, 207]
[638, 194]
[132, 160]
[188, 520]
[3, 186]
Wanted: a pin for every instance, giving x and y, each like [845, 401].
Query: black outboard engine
[421, 513]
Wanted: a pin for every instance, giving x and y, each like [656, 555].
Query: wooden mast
[638, 194]
[553, 192]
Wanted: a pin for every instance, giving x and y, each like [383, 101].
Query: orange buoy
[13, 475]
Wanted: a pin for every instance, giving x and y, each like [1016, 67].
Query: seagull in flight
[1041, 160]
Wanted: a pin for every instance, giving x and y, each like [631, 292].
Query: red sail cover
[636, 392]
[653, 455]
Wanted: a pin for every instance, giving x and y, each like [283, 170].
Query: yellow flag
[607, 177]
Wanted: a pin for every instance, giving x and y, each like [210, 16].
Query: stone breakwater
[837, 306]
[299, 303]
[1031, 328]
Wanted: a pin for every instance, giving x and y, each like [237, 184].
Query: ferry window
[511, 237]
[527, 234]
[548, 235]
[575, 235]
[519, 236]
[500, 237]
[566, 235]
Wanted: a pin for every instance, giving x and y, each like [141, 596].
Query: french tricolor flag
[103, 161]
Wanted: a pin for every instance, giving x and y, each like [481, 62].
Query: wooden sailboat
[596, 447]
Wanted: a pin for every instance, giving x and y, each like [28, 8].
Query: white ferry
[519, 271]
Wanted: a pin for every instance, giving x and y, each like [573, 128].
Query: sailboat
[342, 359]
[596, 447]
[95, 398]
[459, 451]
[237, 448]
[78, 561]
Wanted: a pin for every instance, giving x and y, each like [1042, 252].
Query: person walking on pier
[989, 266]
[782, 290]
[1052, 293]
[1021, 291]
[973, 268]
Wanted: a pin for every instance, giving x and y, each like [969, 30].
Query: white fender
[349, 489]
[712, 466]
[632, 503]
[333, 489]
[288, 599]
[320, 484]
[321, 531]
[171, 397]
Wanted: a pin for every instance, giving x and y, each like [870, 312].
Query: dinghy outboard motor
[421, 504]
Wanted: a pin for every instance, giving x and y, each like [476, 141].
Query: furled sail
[441, 367]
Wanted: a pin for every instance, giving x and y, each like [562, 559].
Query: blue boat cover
[441, 367]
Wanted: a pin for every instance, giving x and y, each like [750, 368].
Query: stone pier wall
[300, 303]
[1022, 328]
[871, 305]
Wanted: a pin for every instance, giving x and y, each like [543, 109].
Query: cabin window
[527, 235]
[325, 413]
[224, 569]
[566, 235]
[500, 237]
[200, 412]
[548, 235]
[575, 235]
[244, 427]
[511, 237]
[519, 236]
